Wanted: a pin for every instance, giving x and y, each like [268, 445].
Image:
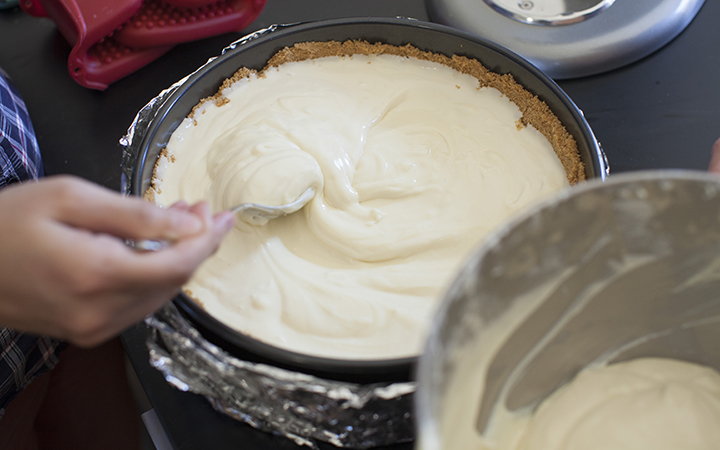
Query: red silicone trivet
[113, 38]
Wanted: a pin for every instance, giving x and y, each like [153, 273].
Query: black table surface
[661, 112]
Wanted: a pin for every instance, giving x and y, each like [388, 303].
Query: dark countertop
[660, 112]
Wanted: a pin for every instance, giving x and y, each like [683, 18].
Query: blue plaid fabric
[20, 157]
[22, 356]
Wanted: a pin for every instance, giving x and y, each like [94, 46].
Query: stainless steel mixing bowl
[611, 271]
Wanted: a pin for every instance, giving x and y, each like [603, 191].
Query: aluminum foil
[301, 407]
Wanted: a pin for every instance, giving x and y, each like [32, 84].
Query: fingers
[715, 158]
[172, 266]
[120, 286]
[66, 273]
[186, 254]
[92, 213]
[180, 260]
[91, 207]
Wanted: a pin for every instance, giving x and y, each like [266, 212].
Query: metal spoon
[256, 214]
[252, 213]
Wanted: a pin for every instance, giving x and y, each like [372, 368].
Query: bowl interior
[633, 276]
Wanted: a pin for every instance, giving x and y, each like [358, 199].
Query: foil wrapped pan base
[301, 407]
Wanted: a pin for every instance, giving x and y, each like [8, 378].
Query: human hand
[715, 158]
[65, 270]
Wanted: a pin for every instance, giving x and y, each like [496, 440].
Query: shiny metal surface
[549, 12]
[254, 213]
[614, 35]
[634, 269]
[305, 409]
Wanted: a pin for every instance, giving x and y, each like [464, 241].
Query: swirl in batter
[413, 163]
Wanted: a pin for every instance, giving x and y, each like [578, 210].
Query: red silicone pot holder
[113, 38]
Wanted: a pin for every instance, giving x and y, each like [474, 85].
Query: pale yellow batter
[641, 404]
[414, 164]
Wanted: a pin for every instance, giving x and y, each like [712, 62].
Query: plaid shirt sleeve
[19, 154]
[23, 356]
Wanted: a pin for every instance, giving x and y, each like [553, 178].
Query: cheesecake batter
[413, 162]
[647, 403]
[641, 404]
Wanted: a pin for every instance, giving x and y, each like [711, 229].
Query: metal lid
[549, 12]
[571, 38]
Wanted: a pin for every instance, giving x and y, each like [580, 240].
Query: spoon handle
[146, 245]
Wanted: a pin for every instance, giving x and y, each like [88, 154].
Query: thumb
[88, 206]
[715, 158]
